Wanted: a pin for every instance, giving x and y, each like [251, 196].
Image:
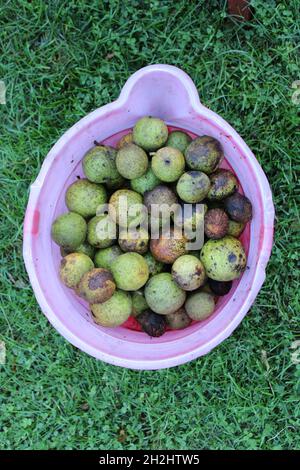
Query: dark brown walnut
[152, 323]
[96, 286]
[238, 207]
[215, 224]
[214, 204]
[220, 287]
[223, 184]
[169, 246]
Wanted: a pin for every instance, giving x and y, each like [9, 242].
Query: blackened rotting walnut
[238, 207]
[152, 323]
[204, 154]
[215, 224]
[220, 287]
[223, 184]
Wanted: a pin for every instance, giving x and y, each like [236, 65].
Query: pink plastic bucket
[166, 92]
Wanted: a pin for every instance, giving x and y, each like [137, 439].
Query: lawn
[59, 62]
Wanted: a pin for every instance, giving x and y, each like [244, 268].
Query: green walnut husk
[99, 165]
[130, 271]
[168, 164]
[69, 230]
[224, 259]
[235, 229]
[223, 183]
[146, 182]
[84, 197]
[116, 183]
[155, 266]
[163, 295]
[178, 320]
[126, 208]
[139, 303]
[150, 133]
[193, 186]
[188, 272]
[105, 256]
[200, 305]
[96, 285]
[131, 161]
[204, 154]
[114, 311]
[101, 231]
[84, 248]
[190, 218]
[178, 140]
[73, 267]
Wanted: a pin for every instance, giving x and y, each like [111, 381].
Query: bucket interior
[79, 305]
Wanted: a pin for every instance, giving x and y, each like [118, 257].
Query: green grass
[63, 60]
